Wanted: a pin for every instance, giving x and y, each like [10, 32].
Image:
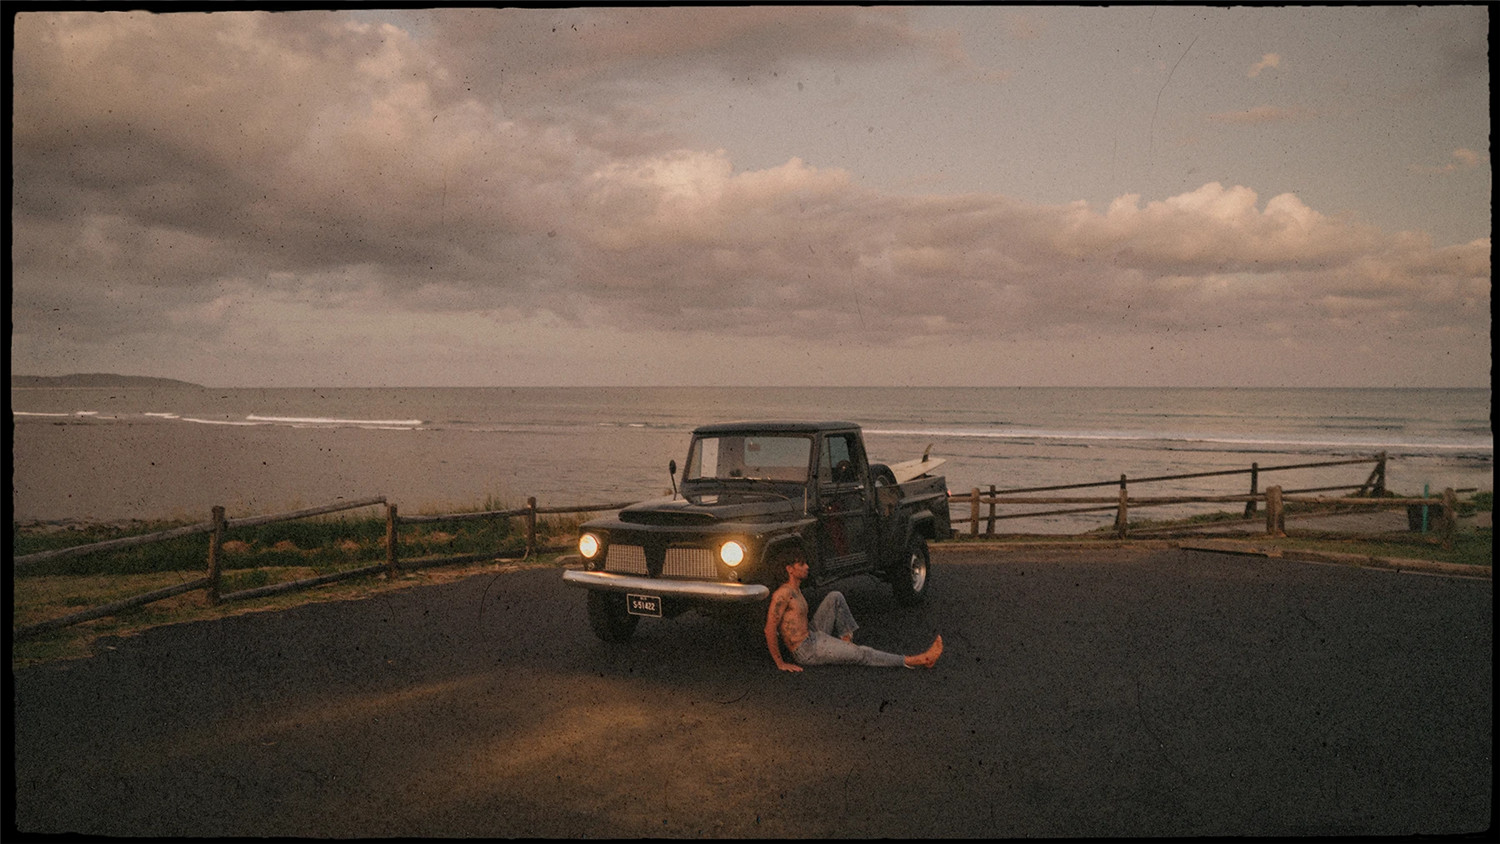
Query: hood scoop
[704, 509]
[649, 514]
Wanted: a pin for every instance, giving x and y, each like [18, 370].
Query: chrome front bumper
[699, 589]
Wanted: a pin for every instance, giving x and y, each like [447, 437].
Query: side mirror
[672, 471]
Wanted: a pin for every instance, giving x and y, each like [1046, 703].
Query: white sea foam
[569, 445]
[319, 421]
[216, 421]
[1169, 438]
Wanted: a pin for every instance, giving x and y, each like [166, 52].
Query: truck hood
[710, 507]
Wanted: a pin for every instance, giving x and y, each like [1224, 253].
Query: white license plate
[643, 604]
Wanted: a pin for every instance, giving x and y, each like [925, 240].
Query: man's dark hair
[791, 560]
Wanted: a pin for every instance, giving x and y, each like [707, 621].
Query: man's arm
[773, 630]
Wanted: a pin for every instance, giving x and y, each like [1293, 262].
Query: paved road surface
[1114, 693]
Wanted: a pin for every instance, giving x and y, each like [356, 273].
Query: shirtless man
[830, 641]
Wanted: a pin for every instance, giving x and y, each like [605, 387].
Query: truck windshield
[769, 457]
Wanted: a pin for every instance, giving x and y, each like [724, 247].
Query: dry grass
[36, 599]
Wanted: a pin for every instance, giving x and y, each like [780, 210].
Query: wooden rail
[108, 609]
[112, 544]
[218, 525]
[1274, 498]
[1120, 503]
[529, 513]
[1368, 496]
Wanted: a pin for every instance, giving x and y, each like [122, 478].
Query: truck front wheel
[912, 573]
[609, 618]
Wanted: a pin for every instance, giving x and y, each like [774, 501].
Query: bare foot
[927, 658]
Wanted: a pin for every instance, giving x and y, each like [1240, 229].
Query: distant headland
[96, 379]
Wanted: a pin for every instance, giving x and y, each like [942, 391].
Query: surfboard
[909, 469]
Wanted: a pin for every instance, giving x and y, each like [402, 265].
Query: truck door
[844, 519]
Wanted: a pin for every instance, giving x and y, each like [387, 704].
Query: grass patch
[251, 557]
[327, 543]
[1474, 547]
[1479, 502]
[36, 599]
[1471, 545]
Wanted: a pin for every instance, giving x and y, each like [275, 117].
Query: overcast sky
[755, 195]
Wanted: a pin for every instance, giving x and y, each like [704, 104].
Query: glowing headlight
[588, 546]
[732, 553]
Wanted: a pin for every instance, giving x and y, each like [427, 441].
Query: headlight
[588, 546]
[732, 553]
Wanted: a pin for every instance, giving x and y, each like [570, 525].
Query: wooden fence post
[1275, 516]
[1122, 517]
[531, 526]
[1375, 484]
[989, 528]
[974, 512]
[1254, 489]
[1450, 517]
[215, 550]
[390, 540]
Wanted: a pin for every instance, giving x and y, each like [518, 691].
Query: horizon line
[656, 386]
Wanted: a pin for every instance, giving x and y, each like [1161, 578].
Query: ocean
[107, 454]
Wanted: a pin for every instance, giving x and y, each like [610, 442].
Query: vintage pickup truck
[753, 496]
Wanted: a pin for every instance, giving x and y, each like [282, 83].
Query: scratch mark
[1151, 134]
[858, 308]
[742, 696]
[479, 619]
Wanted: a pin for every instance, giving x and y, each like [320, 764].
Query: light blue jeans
[824, 645]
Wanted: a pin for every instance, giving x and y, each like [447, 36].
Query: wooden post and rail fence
[1369, 494]
[1275, 499]
[218, 526]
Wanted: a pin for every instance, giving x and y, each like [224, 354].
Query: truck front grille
[697, 563]
[625, 559]
[690, 562]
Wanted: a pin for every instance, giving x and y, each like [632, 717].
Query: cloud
[1269, 60]
[1462, 159]
[608, 61]
[1467, 157]
[1025, 26]
[329, 185]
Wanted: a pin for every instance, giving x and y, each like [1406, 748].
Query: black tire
[882, 475]
[911, 576]
[609, 618]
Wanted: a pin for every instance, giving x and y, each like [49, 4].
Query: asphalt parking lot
[1109, 693]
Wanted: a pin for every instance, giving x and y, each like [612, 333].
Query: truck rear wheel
[609, 618]
[912, 573]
